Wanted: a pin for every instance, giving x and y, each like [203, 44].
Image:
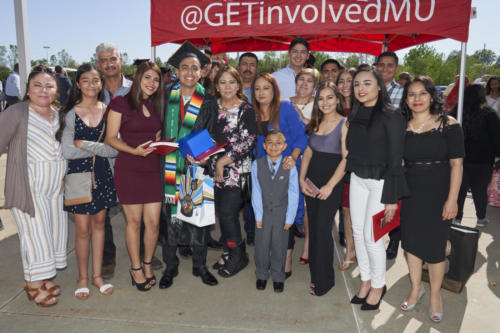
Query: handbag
[78, 186]
[196, 197]
[461, 259]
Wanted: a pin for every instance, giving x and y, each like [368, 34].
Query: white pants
[364, 197]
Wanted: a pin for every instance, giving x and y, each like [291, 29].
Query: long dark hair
[383, 101]
[436, 107]
[135, 96]
[475, 110]
[37, 70]
[75, 96]
[274, 112]
[343, 101]
[317, 115]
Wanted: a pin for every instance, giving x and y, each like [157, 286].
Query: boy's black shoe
[250, 238]
[261, 284]
[278, 287]
[108, 269]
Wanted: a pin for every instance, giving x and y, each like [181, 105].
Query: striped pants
[44, 237]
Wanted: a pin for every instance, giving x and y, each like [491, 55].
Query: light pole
[47, 53]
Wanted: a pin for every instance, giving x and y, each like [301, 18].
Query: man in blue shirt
[275, 198]
[247, 67]
[298, 52]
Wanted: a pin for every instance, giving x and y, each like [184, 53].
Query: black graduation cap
[138, 62]
[188, 50]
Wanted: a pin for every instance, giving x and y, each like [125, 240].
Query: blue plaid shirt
[395, 92]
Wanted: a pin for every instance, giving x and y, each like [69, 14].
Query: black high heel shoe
[140, 286]
[358, 300]
[149, 279]
[368, 307]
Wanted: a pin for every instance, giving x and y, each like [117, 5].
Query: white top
[305, 109]
[494, 103]
[13, 85]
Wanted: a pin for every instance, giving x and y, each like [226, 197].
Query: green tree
[3, 56]
[485, 56]
[12, 55]
[65, 60]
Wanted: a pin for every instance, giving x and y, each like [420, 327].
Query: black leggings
[476, 177]
[228, 203]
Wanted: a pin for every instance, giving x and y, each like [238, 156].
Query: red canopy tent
[365, 26]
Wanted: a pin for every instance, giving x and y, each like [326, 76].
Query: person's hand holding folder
[386, 220]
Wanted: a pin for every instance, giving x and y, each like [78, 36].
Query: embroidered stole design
[174, 163]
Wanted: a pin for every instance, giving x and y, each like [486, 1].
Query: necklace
[419, 128]
[301, 108]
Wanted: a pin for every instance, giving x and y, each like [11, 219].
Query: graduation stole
[174, 163]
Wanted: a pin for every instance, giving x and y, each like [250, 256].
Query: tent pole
[460, 107]
[153, 53]
[23, 45]
[385, 45]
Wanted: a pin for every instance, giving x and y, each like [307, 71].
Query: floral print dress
[237, 127]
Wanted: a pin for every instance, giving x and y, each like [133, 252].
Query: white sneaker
[482, 223]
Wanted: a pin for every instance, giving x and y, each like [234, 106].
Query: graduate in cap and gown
[188, 107]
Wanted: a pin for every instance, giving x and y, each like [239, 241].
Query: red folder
[378, 232]
[164, 147]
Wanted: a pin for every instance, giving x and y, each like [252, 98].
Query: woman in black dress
[433, 154]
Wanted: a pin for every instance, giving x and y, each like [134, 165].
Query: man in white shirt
[13, 87]
[298, 52]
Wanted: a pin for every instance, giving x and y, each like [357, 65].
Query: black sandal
[224, 258]
[150, 280]
[140, 286]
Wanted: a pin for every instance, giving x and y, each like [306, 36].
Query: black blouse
[376, 150]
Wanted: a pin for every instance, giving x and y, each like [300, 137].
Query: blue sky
[78, 26]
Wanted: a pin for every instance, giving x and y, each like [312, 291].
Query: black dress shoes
[108, 269]
[205, 275]
[261, 284]
[168, 277]
[278, 287]
[288, 274]
[392, 250]
[368, 307]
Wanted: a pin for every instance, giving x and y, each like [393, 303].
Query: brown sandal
[45, 302]
[106, 289]
[55, 290]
